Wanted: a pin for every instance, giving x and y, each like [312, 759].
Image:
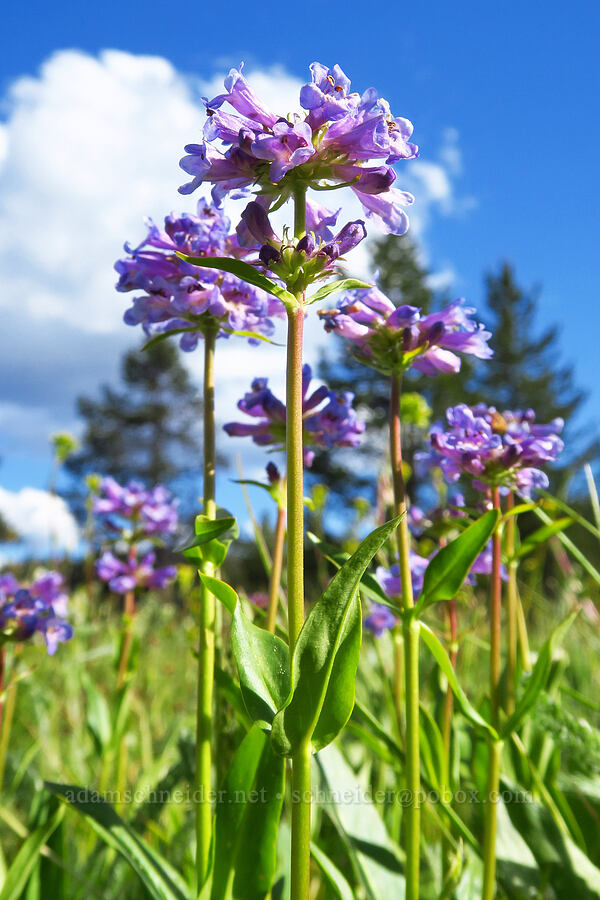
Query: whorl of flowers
[179, 298]
[340, 138]
[146, 511]
[299, 263]
[134, 572]
[394, 338]
[329, 419]
[495, 449]
[39, 608]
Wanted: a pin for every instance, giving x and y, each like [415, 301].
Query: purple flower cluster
[148, 511]
[329, 419]
[341, 139]
[381, 618]
[39, 608]
[133, 573]
[313, 256]
[394, 338]
[495, 449]
[174, 299]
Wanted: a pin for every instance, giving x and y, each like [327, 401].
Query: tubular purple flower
[333, 143]
[495, 449]
[124, 576]
[181, 298]
[390, 338]
[36, 609]
[146, 511]
[329, 419]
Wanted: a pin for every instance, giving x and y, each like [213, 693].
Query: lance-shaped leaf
[207, 530]
[538, 678]
[448, 569]
[161, 881]
[368, 583]
[247, 820]
[253, 335]
[24, 862]
[443, 660]
[262, 658]
[334, 287]
[326, 657]
[332, 874]
[244, 271]
[541, 535]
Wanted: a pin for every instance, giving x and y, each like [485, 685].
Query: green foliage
[247, 820]
[160, 879]
[445, 574]
[325, 658]
[262, 659]
[243, 270]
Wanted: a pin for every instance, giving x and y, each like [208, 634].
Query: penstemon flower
[495, 449]
[123, 576]
[328, 418]
[37, 609]
[175, 300]
[340, 138]
[395, 338]
[381, 618]
[146, 511]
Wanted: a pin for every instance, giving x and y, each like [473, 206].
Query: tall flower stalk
[301, 761]
[495, 746]
[410, 633]
[206, 638]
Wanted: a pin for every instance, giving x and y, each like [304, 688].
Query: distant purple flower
[340, 138]
[123, 576]
[380, 619]
[329, 419]
[394, 338]
[149, 511]
[181, 298]
[26, 611]
[483, 565]
[495, 449]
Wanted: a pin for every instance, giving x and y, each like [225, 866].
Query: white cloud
[89, 147]
[40, 519]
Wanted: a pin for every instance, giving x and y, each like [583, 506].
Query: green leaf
[571, 547]
[161, 881]
[243, 271]
[372, 851]
[326, 657]
[262, 658]
[255, 335]
[206, 530]
[247, 820]
[368, 583]
[29, 853]
[538, 678]
[333, 287]
[565, 867]
[165, 335]
[448, 569]
[443, 661]
[542, 534]
[333, 876]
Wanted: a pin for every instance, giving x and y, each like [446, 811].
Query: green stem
[451, 613]
[410, 630]
[301, 782]
[206, 642]
[495, 747]
[511, 608]
[277, 565]
[8, 710]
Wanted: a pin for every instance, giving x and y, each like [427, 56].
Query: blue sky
[512, 89]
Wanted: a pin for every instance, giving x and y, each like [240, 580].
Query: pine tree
[147, 428]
